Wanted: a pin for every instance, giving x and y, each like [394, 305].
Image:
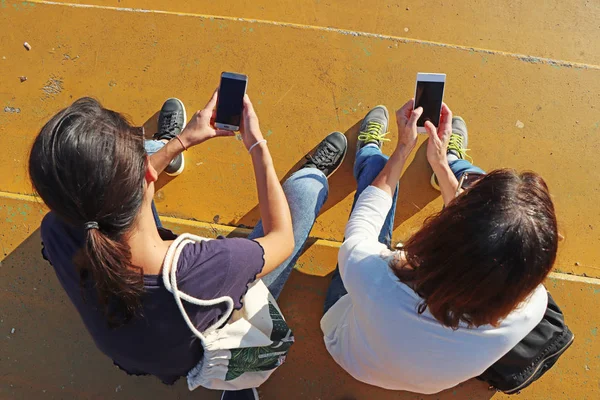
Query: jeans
[306, 191]
[369, 163]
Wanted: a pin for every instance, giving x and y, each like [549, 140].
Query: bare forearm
[161, 159]
[274, 209]
[447, 182]
[388, 178]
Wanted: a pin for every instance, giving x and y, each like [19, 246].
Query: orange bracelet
[181, 141]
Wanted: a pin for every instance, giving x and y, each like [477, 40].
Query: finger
[414, 116]
[445, 119]
[213, 100]
[407, 108]
[432, 132]
[446, 112]
[445, 136]
[445, 128]
[248, 104]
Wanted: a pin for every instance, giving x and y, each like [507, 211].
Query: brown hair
[480, 257]
[88, 164]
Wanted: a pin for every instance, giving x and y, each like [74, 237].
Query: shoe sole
[180, 170]
[343, 157]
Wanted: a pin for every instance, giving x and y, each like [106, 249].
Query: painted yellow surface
[132, 61]
[565, 30]
[314, 67]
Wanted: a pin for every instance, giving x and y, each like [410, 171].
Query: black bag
[533, 356]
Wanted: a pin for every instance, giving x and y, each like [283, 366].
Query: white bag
[240, 352]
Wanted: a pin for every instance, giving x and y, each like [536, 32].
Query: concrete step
[565, 30]
[522, 113]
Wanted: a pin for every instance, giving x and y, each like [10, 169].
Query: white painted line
[520, 57]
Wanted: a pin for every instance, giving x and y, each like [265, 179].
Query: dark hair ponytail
[119, 283]
[88, 165]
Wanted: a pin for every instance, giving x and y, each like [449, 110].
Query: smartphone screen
[429, 95]
[231, 101]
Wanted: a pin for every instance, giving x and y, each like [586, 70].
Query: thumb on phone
[431, 131]
[248, 107]
[414, 117]
[213, 101]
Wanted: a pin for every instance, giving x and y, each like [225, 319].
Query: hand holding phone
[231, 101]
[250, 128]
[429, 94]
[437, 145]
[199, 128]
[406, 118]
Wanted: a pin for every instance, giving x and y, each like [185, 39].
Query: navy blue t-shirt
[158, 342]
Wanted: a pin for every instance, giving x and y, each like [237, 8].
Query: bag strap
[169, 274]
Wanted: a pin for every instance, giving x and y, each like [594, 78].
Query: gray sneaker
[373, 128]
[459, 138]
[329, 154]
[457, 145]
[171, 121]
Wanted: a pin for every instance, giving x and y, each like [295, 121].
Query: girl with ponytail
[96, 174]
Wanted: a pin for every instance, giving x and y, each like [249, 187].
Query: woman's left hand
[200, 128]
[439, 137]
[407, 119]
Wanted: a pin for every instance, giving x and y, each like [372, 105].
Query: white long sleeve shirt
[375, 333]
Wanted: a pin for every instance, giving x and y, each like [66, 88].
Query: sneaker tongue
[323, 157]
[167, 129]
[330, 147]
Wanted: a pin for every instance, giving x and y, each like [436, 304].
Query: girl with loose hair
[463, 290]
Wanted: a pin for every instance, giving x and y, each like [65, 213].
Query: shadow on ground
[414, 194]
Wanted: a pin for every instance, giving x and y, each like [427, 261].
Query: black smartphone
[429, 94]
[230, 103]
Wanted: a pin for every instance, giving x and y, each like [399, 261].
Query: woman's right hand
[437, 145]
[250, 129]
[200, 128]
[407, 118]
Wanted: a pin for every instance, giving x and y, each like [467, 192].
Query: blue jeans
[369, 163]
[306, 191]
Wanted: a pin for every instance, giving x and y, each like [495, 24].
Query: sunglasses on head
[467, 181]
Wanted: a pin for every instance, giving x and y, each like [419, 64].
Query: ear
[151, 174]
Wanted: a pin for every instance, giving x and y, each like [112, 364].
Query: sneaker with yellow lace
[457, 146]
[374, 128]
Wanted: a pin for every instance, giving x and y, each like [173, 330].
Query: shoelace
[373, 133]
[456, 144]
[323, 157]
[168, 126]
